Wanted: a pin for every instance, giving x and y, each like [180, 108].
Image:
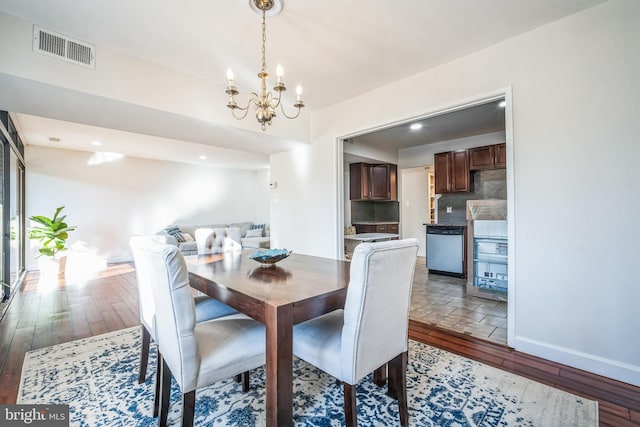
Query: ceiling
[476, 120]
[336, 49]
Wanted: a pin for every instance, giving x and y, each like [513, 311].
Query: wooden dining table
[296, 289]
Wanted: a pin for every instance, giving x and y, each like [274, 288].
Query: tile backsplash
[489, 184]
[375, 212]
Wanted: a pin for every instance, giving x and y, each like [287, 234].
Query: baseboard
[609, 368]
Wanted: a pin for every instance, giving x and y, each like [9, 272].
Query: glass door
[12, 207]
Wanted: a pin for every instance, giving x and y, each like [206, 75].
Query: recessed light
[203, 157]
[502, 104]
[415, 126]
[96, 143]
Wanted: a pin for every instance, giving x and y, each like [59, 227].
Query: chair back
[218, 240]
[175, 316]
[376, 312]
[145, 291]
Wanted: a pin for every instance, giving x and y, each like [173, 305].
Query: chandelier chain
[264, 42]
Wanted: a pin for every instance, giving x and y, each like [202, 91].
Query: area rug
[97, 377]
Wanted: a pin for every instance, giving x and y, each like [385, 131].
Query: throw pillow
[258, 227]
[187, 237]
[257, 232]
[174, 231]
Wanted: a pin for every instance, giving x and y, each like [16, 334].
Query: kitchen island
[353, 240]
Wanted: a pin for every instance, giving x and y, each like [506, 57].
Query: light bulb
[299, 92]
[230, 76]
[279, 73]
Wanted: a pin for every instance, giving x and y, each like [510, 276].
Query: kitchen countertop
[371, 237]
[375, 222]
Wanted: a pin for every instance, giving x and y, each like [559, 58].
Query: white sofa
[248, 239]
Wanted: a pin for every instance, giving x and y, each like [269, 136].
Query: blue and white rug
[97, 377]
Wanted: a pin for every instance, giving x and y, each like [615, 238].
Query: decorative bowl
[269, 256]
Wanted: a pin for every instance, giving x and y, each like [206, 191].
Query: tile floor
[442, 301]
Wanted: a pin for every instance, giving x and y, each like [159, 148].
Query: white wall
[304, 211]
[576, 234]
[414, 205]
[112, 201]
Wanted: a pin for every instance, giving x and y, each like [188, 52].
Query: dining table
[297, 288]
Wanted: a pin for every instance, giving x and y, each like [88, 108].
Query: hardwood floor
[39, 317]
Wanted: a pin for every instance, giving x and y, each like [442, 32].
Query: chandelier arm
[286, 115]
[242, 116]
[253, 97]
[274, 102]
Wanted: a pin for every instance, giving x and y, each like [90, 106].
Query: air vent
[63, 47]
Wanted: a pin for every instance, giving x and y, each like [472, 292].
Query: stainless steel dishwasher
[445, 249]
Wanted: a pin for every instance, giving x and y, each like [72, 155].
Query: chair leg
[165, 394]
[380, 376]
[188, 408]
[398, 376]
[392, 387]
[245, 381]
[156, 398]
[350, 407]
[144, 355]
[238, 378]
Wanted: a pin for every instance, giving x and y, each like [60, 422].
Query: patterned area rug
[97, 377]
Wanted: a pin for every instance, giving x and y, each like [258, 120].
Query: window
[12, 221]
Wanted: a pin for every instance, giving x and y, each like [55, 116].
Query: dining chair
[218, 240]
[372, 329]
[206, 308]
[196, 354]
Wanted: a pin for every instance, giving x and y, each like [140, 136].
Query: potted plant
[52, 233]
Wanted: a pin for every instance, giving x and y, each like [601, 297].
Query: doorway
[441, 300]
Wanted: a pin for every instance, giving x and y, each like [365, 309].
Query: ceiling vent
[63, 47]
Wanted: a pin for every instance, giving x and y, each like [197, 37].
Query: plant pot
[52, 267]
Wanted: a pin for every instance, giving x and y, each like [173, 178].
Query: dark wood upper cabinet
[460, 171]
[442, 172]
[501, 156]
[488, 157]
[452, 172]
[373, 181]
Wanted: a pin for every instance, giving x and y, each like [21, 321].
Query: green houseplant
[52, 233]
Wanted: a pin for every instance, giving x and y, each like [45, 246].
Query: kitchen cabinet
[488, 157]
[452, 172]
[373, 181]
[377, 228]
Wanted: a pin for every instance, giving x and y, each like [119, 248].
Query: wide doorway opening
[441, 201]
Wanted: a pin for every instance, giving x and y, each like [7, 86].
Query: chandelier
[265, 103]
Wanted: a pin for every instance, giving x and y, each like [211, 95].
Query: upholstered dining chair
[207, 308]
[196, 354]
[218, 240]
[372, 330]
